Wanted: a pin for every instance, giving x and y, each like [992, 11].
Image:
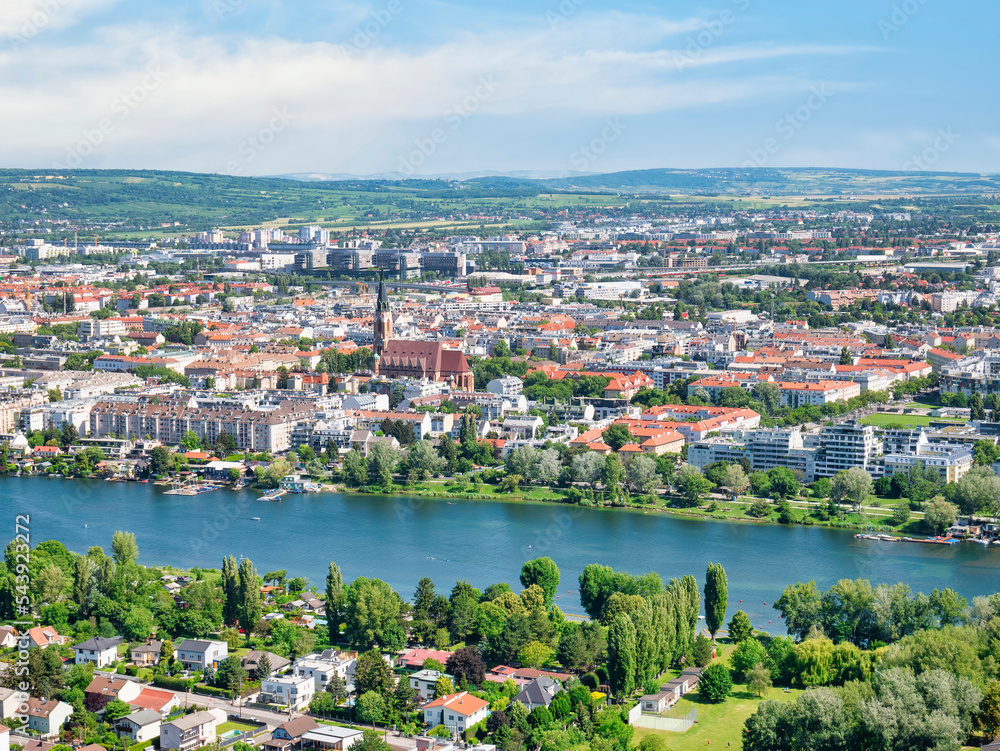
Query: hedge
[166, 681]
[225, 693]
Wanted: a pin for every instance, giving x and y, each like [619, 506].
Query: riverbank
[719, 508]
[404, 537]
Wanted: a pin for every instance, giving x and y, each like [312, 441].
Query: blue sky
[430, 86]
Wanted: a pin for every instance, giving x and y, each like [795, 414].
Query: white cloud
[206, 95]
[25, 19]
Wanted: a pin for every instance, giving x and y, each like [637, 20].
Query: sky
[428, 87]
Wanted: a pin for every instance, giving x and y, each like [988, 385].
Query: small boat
[255, 518]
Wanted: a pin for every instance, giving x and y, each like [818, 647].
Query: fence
[665, 722]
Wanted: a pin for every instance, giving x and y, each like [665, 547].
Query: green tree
[939, 514]
[739, 627]
[230, 591]
[124, 548]
[716, 683]
[381, 463]
[190, 440]
[250, 604]
[371, 612]
[692, 485]
[748, 654]
[334, 601]
[852, 486]
[373, 673]
[621, 655]
[545, 573]
[759, 680]
[372, 707]
[618, 435]
[716, 597]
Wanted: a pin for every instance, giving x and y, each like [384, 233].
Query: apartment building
[256, 430]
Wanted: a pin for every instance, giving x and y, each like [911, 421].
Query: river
[402, 539]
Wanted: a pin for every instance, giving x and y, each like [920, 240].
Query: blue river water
[401, 539]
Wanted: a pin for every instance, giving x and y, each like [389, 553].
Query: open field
[883, 420]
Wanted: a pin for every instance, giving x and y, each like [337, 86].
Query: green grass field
[883, 420]
[227, 726]
[719, 725]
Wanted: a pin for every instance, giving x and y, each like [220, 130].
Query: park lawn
[227, 726]
[718, 723]
[883, 419]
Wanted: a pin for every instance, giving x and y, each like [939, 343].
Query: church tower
[383, 317]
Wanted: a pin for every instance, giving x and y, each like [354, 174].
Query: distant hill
[141, 202]
[727, 181]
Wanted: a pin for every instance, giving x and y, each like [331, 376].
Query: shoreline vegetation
[718, 508]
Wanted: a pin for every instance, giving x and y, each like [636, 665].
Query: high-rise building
[383, 318]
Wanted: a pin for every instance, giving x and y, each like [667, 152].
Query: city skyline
[421, 88]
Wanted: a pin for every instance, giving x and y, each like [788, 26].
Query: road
[271, 719]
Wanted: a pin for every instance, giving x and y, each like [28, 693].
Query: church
[396, 358]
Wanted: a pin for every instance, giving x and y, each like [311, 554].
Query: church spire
[383, 317]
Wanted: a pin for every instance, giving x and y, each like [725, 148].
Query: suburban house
[456, 711]
[8, 637]
[331, 738]
[9, 702]
[43, 636]
[100, 651]
[102, 691]
[538, 693]
[252, 658]
[288, 736]
[671, 692]
[291, 691]
[47, 717]
[161, 702]
[197, 654]
[191, 731]
[423, 683]
[322, 666]
[4, 738]
[147, 654]
[414, 659]
[140, 726]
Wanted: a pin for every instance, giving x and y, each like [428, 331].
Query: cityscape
[575, 376]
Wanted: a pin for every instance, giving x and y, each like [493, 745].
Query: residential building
[456, 711]
[331, 738]
[46, 717]
[103, 690]
[191, 731]
[292, 691]
[140, 726]
[99, 650]
[538, 693]
[197, 654]
[424, 682]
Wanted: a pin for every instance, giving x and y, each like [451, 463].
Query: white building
[291, 691]
[191, 731]
[99, 650]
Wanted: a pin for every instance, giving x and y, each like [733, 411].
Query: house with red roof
[456, 711]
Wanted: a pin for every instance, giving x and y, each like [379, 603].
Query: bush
[590, 680]
[716, 683]
[164, 681]
[759, 509]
